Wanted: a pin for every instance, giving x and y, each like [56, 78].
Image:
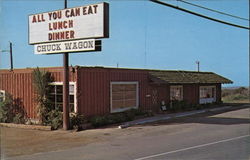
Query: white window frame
[70, 83]
[127, 108]
[207, 100]
[176, 86]
[4, 94]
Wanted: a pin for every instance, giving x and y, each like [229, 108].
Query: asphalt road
[215, 136]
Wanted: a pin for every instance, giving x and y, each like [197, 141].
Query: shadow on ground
[208, 118]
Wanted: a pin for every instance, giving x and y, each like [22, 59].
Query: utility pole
[11, 57]
[198, 65]
[66, 124]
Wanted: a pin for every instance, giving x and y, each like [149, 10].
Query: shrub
[235, 94]
[6, 109]
[129, 115]
[3, 112]
[76, 120]
[41, 80]
[54, 119]
[176, 106]
[98, 121]
[11, 111]
[19, 118]
[138, 112]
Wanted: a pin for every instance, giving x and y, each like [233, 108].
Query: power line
[213, 10]
[198, 14]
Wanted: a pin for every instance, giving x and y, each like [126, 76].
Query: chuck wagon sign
[68, 46]
[70, 24]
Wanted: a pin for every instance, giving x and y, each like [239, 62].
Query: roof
[157, 76]
[177, 77]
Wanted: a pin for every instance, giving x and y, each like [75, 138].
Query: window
[56, 95]
[207, 92]
[176, 93]
[124, 96]
[2, 95]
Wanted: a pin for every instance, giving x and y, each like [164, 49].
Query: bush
[76, 120]
[6, 110]
[98, 121]
[235, 94]
[176, 106]
[4, 118]
[11, 111]
[19, 118]
[129, 115]
[54, 119]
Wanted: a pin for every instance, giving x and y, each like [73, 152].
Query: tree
[41, 80]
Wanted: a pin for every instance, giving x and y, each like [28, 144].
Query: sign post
[69, 30]
[65, 86]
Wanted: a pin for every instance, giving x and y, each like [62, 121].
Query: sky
[143, 34]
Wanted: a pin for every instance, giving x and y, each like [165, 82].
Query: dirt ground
[16, 142]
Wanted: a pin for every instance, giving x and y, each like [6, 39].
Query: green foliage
[236, 97]
[76, 120]
[176, 106]
[129, 115]
[98, 121]
[47, 113]
[10, 111]
[54, 119]
[41, 80]
[235, 94]
[19, 118]
[6, 110]
[179, 106]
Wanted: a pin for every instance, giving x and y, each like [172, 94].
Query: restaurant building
[99, 90]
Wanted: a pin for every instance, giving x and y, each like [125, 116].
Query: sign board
[68, 46]
[91, 21]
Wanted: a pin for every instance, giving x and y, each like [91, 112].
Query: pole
[65, 86]
[198, 65]
[11, 57]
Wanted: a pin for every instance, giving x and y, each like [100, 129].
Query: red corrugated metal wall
[93, 86]
[191, 93]
[93, 89]
[218, 93]
[18, 83]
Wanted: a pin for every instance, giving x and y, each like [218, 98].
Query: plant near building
[128, 115]
[176, 106]
[6, 109]
[41, 80]
[11, 111]
[54, 119]
[77, 120]
[19, 118]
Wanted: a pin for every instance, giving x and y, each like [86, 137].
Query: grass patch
[235, 95]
